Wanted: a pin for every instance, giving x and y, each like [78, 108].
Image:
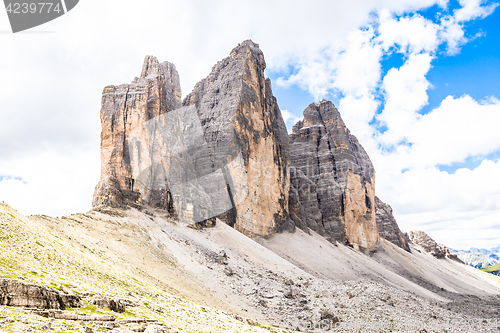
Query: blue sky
[417, 82]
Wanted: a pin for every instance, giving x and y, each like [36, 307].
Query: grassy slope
[29, 251]
[490, 269]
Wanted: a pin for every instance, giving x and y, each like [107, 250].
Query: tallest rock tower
[242, 122]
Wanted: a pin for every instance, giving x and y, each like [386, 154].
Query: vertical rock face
[24, 294]
[124, 111]
[223, 152]
[332, 179]
[387, 225]
[247, 138]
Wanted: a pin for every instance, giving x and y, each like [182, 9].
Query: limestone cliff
[332, 179]
[124, 111]
[387, 225]
[223, 152]
[242, 122]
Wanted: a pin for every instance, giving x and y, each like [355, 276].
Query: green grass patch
[92, 309]
[491, 269]
[10, 276]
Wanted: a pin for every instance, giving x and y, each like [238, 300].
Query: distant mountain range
[479, 258]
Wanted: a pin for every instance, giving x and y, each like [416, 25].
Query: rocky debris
[245, 137]
[157, 329]
[25, 294]
[128, 175]
[46, 326]
[115, 305]
[439, 251]
[332, 180]
[388, 227]
[59, 314]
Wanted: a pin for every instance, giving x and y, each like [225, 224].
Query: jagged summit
[439, 251]
[241, 121]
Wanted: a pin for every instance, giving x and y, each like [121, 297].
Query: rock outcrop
[223, 152]
[246, 137]
[429, 245]
[24, 294]
[332, 179]
[127, 177]
[387, 225]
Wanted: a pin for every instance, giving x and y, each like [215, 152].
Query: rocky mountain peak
[332, 179]
[242, 123]
[248, 49]
[125, 110]
[151, 66]
[429, 245]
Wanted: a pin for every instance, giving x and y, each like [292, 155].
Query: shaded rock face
[439, 251]
[124, 111]
[246, 137]
[22, 294]
[387, 225]
[332, 180]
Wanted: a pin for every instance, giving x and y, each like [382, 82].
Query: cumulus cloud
[405, 91]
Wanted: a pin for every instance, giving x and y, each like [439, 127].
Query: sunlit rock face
[242, 122]
[223, 152]
[332, 179]
[124, 111]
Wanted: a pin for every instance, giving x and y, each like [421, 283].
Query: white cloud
[53, 182]
[473, 9]
[289, 118]
[452, 31]
[461, 209]
[413, 34]
[405, 94]
[457, 129]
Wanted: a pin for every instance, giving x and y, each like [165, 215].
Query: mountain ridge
[208, 208]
